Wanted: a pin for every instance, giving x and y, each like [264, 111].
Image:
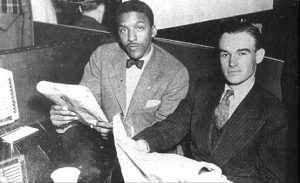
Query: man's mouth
[234, 71]
[133, 46]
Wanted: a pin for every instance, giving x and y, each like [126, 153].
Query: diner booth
[59, 55]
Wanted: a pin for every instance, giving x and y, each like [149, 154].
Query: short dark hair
[243, 26]
[135, 6]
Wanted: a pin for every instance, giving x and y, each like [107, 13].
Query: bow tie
[137, 63]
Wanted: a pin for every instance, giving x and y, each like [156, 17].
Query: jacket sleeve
[92, 74]
[272, 150]
[170, 131]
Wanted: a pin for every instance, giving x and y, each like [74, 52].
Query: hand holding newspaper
[139, 166]
[77, 98]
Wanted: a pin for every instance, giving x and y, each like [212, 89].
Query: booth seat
[62, 60]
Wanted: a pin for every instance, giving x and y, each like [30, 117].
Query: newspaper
[77, 98]
[139, 166]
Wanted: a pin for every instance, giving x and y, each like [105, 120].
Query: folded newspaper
[77, 98]
[138, 166]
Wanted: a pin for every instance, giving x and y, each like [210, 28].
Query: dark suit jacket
[251, 147]
[90, 23]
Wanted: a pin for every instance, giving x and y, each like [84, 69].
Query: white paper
[77, 98]
[138, 166]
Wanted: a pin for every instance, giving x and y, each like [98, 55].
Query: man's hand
[61, 116]
[104, 128]
[141, 145]
[209, 172]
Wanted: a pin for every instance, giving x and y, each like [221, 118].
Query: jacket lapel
[148, 78]
[241, 127]
[208, 103]
[118, 78]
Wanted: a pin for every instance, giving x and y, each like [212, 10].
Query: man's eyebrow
[221, 50]
[239, 50]
[123, 25]
[120, 25]
[140, 21]
[244, 49]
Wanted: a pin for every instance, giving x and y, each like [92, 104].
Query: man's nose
[132, 36]
[232, 61]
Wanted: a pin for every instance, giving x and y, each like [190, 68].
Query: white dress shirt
[133, 75]
[239, 93]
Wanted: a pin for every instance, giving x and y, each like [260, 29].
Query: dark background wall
[276, 26]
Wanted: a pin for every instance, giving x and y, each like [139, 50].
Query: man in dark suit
[232, 122]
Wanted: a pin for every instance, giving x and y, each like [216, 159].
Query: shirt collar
[243, 89]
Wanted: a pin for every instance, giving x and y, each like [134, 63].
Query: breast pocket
[152, 104]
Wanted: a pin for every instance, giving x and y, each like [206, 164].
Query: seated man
[232, 122]
[134, 77]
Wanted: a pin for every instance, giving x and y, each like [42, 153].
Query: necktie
[137, 63]
[222, 110]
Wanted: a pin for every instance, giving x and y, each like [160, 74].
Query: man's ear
[260, 55]
[154, 31]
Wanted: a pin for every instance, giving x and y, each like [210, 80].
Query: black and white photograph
[143, 91]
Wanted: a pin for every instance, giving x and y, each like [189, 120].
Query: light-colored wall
[173, 13]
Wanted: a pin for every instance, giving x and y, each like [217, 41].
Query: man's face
[135, 34]
[238, 57]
